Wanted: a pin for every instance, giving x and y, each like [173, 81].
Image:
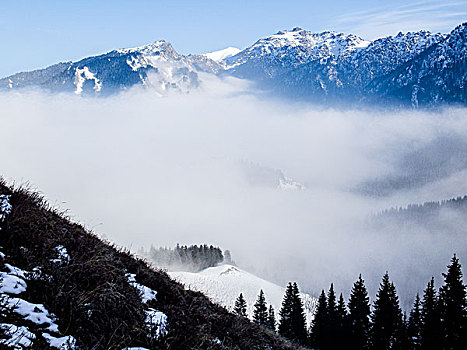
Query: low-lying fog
[287, 188]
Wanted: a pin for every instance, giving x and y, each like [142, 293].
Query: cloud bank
[206, 168]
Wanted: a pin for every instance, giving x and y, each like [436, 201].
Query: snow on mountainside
[224, 283]
[222, 54]
[327, 65]
[156, 65]
[412, 69]
[299, 46]
[436, 75]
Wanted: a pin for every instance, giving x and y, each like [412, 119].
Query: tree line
[420, 212]
[191, 258]
[437, 320]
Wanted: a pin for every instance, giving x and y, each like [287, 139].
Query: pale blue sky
[35, 34]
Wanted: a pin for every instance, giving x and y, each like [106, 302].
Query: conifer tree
[343, 330]
[452, 302]
[387, 318]
[271, 324]
[414, 327]
[332, 306]
[341, 309]
[431, 326]
[403, 342]
[240, 306]
[260, 311]
[298, 317]
[359, 316]
[319, 324]
[332, 325]
[285, 313]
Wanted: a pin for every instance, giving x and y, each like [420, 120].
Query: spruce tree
[359, 316]
[452, 302]
[343, 330]
[298, 317]
[240, 306]
[260, 311]
[271, 324]
[414, 327]
[319, 324]
[341, 310]
[332, 326]
[386, 318]
[431, 326]
[285, 313]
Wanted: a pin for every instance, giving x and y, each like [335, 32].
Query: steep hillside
[224, 283]
[62, 287]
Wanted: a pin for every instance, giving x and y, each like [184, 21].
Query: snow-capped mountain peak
[297, 46]
[155, 48]
[221, 55]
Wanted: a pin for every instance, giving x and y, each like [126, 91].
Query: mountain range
[411, 69]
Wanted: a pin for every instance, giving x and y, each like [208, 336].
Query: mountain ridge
[412, 69]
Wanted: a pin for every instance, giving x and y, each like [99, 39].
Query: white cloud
[166, 170]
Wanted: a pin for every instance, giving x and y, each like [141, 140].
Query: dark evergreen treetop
[359, 315]
[285, 313]
[271, 323]
[298, 317]
[260, 311]
[431, 331]
[319, 324]
[414, 327]
[341, 308]
[452, 302]
[292, 324]
[332, 303]
[240, 306]
[386, 317]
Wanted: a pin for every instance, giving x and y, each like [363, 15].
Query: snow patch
[81, 75]
[5, 206]
[35, 313]
[221, 55]
[156, 323]
[11, 284]
[62, 343]
[286, 183]
[17, 337]
[146, 293]
[62, 255]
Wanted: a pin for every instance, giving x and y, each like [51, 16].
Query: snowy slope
[224, 283]
[222, 54]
